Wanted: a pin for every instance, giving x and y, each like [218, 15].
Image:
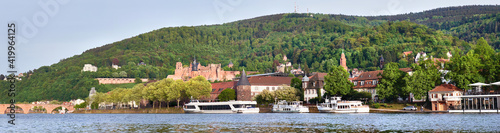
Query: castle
[211, 72]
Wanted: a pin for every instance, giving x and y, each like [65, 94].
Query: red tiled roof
[372, 75]
[441, 60]
[406, 69]
[269, 80]
[445, 87]
[407, 52]
[369, 75]
[365, 86]
[223, 85]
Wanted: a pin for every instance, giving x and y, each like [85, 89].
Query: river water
[263, 122]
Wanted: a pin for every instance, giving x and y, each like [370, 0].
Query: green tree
[297, 84]
[424, 78]
[486, 55]
[391, 84]
[265, 97]
[138, 80]
[177, 91]
[337, 82]
[464, 70]
[286, 93]
[227, 94]
[198, 87]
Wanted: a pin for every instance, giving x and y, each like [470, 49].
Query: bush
[227, 94]
[376, 105]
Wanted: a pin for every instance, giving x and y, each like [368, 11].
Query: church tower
[343, 61]
[243, 90]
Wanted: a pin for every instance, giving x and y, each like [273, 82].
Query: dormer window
[369, 75]
[362, 83]
[314, 84]
[355, 83]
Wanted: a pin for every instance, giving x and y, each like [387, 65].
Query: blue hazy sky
[50, 30]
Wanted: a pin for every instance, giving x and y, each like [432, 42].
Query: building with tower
[343, 61]
[313, 85]
[211, 72]
[243, 90]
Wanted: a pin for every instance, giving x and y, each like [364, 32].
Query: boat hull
[354, 110]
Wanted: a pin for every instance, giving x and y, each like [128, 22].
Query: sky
[50, 30]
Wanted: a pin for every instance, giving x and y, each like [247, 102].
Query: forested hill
[469, 23]
[313, 40]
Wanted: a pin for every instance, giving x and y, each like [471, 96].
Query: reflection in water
[265, 122]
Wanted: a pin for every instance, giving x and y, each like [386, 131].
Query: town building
[211, 72]
[115, 66]
[367, 81]
[77, 101]
[230, 65]
[89, 68]
[283, 67]
[312, 85]
[217, 88]
[248, 87]
[439, 99]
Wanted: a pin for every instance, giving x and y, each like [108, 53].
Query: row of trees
[286, 93]
[165, 90]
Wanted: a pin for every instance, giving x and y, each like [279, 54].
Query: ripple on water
[265, 122]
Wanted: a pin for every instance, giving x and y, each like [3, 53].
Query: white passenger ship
[335, 105]
[290, 107]
[196, 106]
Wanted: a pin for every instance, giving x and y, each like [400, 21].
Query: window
[362, 83]
[355, 83]
[267, 88]
[314, 84]
[273, 88]
[374, 82]
[213, 90]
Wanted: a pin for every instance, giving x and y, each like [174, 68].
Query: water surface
[263, 122]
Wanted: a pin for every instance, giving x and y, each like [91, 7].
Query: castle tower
[243, 90]
[343, 61]
[305, 80]
[230, 65]
[195, 65]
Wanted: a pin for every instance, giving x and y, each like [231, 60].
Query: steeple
[343, 61]
[243, 79]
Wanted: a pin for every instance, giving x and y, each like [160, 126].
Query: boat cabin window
[214, 107]
[190, 107]
[244, 105]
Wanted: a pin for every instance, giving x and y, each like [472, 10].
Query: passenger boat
[195, 106]
[290, 107]
[336, 105]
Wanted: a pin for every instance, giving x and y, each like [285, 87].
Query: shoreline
[172, 110]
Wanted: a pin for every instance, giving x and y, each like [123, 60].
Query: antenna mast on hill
[295, 8]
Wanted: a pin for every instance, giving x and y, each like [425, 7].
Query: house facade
[442, 97]
[368, 81]
[312, 85]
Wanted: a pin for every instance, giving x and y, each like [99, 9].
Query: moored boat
[290, 107]
[336, 105]
[196, 106]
